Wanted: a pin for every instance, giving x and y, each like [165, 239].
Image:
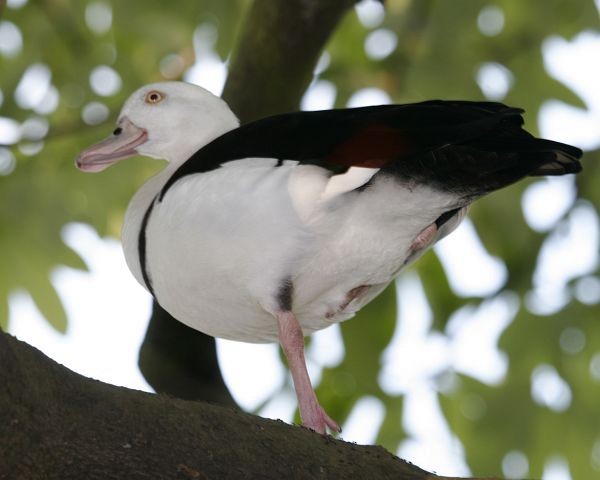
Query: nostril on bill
[117, 131]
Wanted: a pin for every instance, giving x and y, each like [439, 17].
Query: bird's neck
[176, 157]
[197, 139]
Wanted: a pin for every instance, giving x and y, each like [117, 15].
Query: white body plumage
[221, 243]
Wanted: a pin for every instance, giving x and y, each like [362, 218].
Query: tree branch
[277, 52]
[56, 424]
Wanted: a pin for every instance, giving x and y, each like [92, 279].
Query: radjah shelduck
[275, 229]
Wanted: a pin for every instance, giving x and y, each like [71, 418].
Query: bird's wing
[471, 147]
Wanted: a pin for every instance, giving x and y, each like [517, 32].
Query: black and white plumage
[281, 227]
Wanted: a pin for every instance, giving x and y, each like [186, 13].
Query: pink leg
[424, 238]
[421, 242]
[292, 341]
[351, 295]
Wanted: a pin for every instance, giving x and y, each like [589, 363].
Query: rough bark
[272, 65]
[56, 424]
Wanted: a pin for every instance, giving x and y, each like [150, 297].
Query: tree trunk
[180, 361]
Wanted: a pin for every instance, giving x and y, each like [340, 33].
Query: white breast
[219, 246]
[221, 243]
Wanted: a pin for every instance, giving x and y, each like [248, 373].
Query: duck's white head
[168, 120]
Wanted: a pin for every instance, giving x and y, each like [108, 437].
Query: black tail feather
[562, 158]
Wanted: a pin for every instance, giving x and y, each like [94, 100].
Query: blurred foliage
[440, 49]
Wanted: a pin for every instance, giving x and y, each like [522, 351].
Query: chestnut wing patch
[375, 146]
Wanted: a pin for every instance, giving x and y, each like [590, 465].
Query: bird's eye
[154, 96]
[118, 131]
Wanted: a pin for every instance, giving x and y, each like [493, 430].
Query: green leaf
[48, 302]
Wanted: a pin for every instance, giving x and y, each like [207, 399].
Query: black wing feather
[467, 147]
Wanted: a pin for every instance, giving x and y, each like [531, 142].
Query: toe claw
[320, 422]
[332, 424]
